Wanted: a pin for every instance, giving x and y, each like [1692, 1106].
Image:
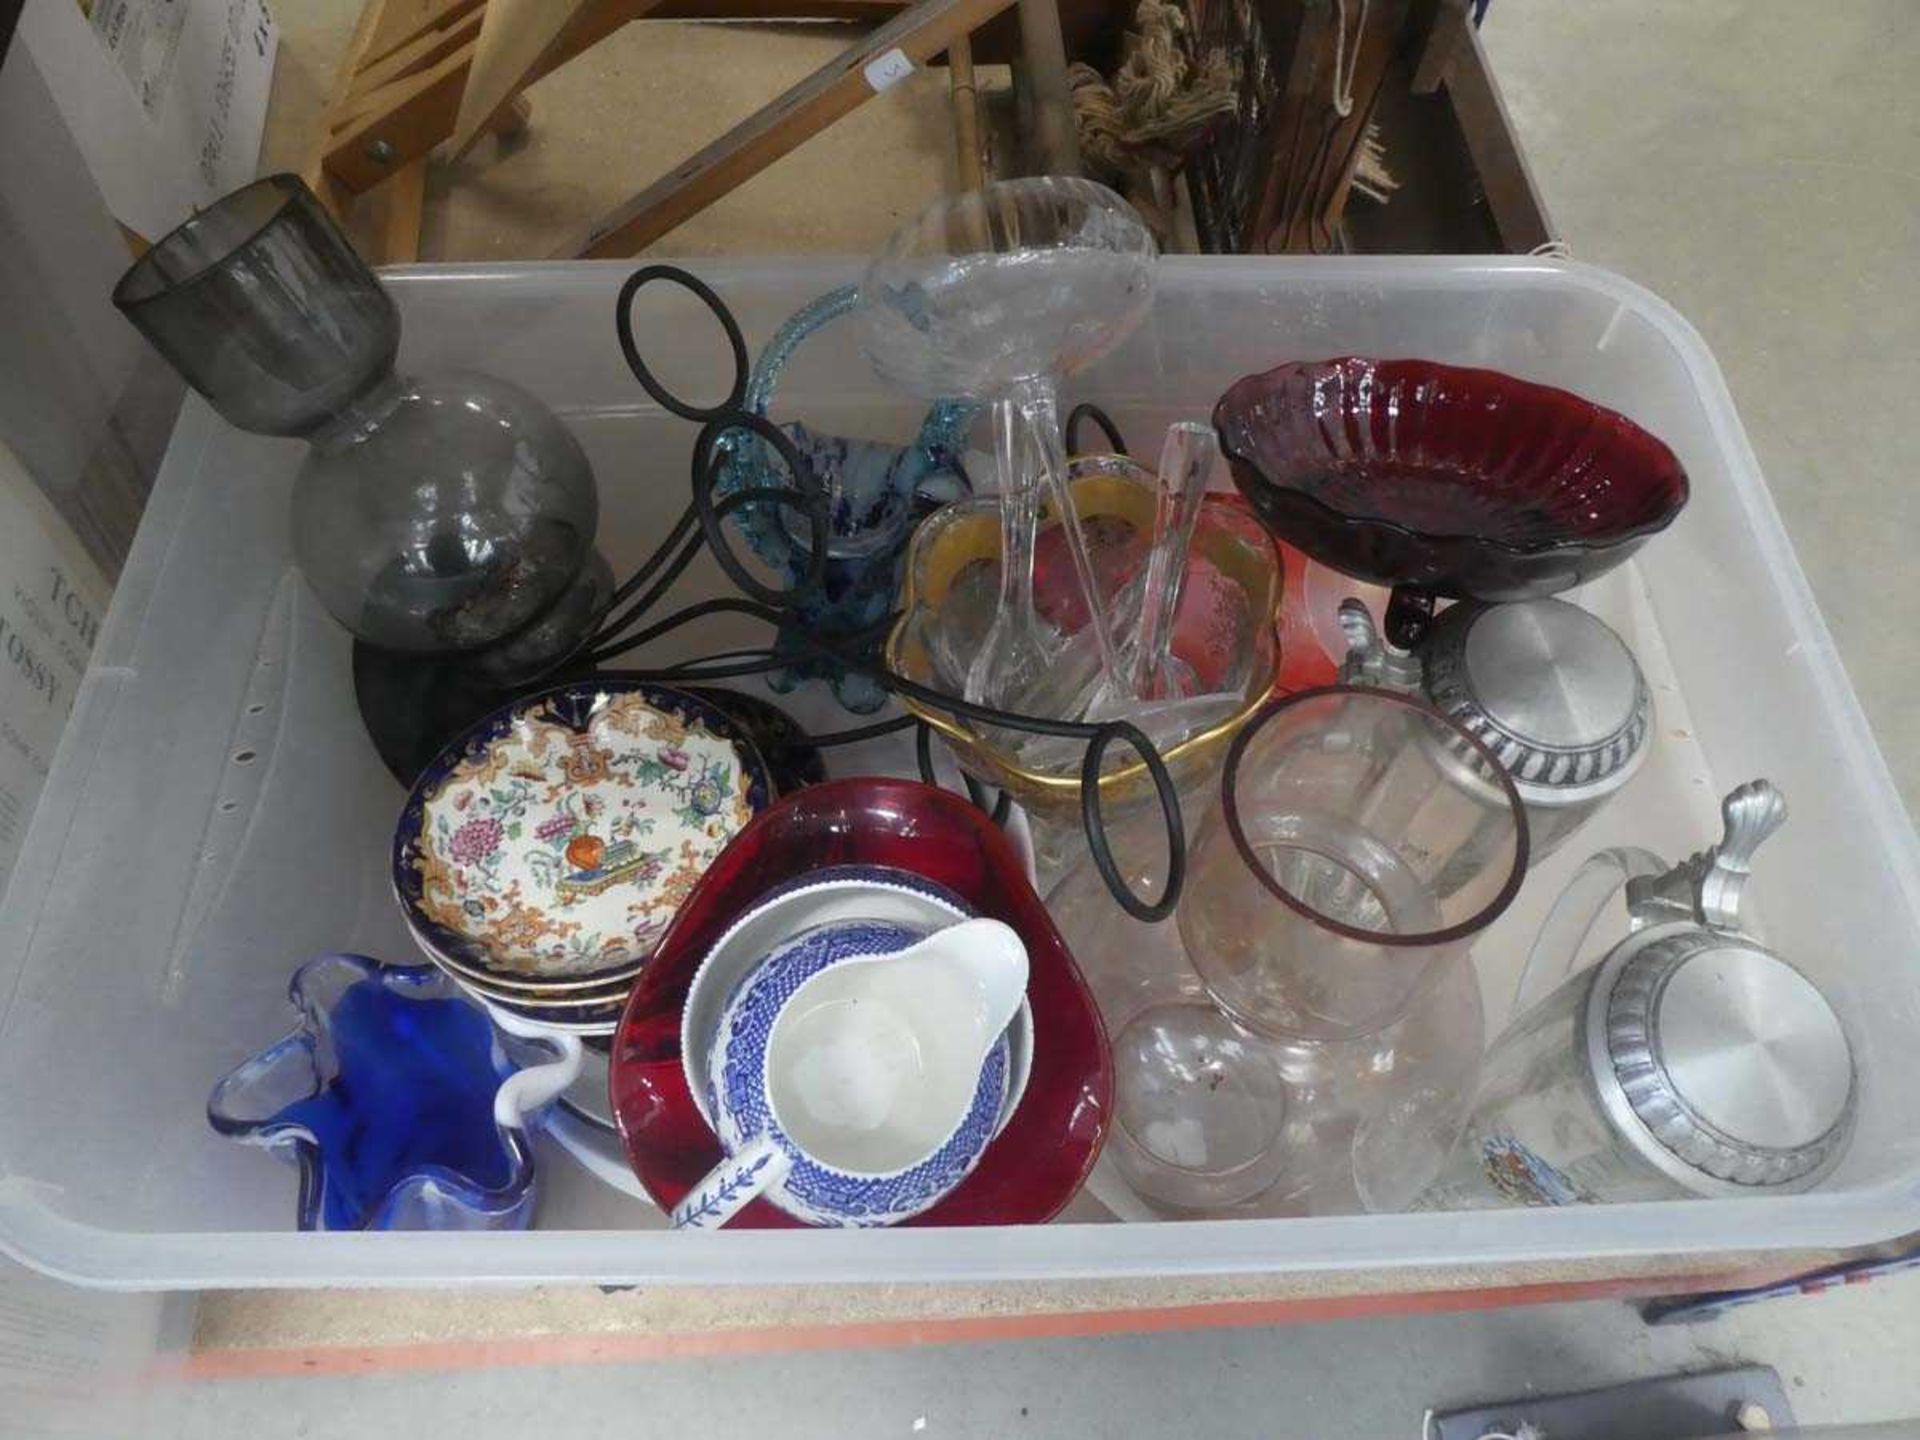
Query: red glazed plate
[1038, 1163]
[1460, 482]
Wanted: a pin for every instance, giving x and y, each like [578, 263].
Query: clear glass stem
[1186, 460]
[1038, 405]
[1019, 525]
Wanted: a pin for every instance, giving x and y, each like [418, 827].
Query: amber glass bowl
[958, 547]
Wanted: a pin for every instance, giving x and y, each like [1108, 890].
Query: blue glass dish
[398, 1101]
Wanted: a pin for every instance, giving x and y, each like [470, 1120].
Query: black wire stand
[414, 706]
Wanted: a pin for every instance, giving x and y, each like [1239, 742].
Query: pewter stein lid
[1550, 689]
[1719, 1062]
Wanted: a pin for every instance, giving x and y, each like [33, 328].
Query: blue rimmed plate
[548, 848]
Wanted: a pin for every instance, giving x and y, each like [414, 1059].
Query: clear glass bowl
[1021, 279]
[995, 295]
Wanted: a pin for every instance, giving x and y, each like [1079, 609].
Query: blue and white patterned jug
[859, 1071]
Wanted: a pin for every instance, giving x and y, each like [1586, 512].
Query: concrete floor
[1754, 162]
[1751, 160]
[1841, 1357]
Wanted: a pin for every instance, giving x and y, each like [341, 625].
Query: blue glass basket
[878, 492]
[401, 1104]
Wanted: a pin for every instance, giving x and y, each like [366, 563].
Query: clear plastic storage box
[216, 814]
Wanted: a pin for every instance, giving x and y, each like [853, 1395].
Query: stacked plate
[543, 854]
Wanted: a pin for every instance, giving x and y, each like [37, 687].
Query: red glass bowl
[1034, 1166]
[1457, 482]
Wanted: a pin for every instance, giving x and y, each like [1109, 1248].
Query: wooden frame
[400, 85]
[835, 89]
[403, 89]
[1513, 198]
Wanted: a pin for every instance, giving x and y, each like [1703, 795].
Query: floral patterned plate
[549, 846]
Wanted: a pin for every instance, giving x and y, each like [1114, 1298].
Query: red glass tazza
[1459, 481]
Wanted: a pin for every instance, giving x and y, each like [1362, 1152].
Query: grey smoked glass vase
[449, 513]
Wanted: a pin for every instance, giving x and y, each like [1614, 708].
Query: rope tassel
[1136, 129]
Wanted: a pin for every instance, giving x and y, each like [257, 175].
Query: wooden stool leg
[966, 114]
[406, 195]
[1044, 50]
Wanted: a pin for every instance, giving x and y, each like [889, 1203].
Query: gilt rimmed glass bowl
[1224, 628]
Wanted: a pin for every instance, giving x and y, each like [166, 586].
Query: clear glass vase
[443, 514]
[1362, 841]
[1212, 1120]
